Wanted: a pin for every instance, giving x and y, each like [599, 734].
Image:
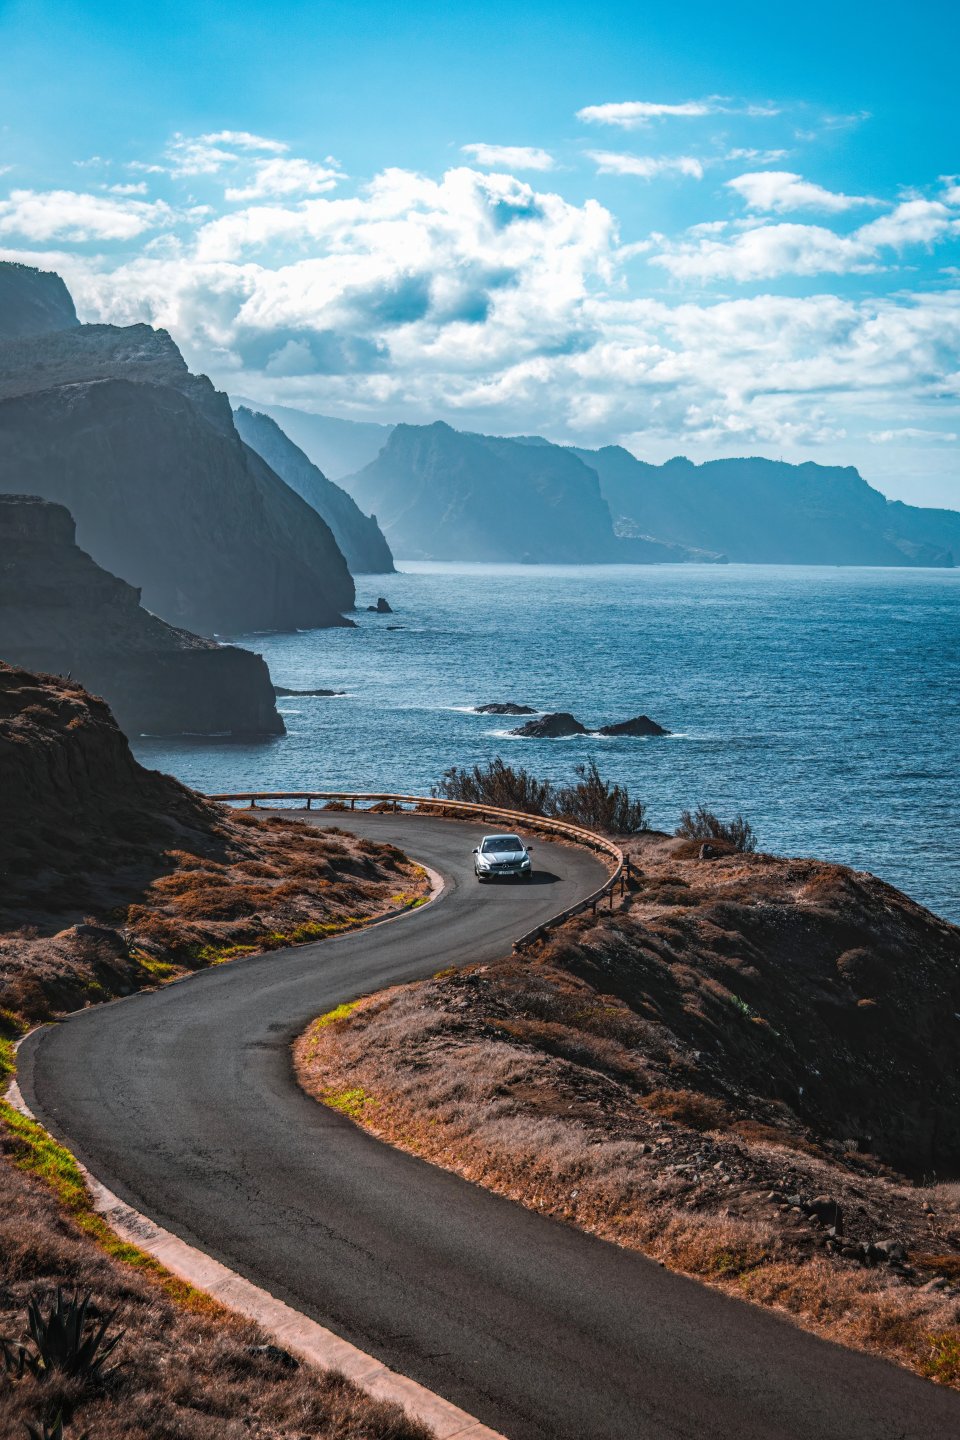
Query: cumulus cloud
[285, 177]
[782, 190]
[912, 432]
[509, 157]
[629, 114]
[615, 162]
[73, 215]
[244, 140]
[494, 303]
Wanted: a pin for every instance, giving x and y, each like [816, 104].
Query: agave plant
[50, 1430]
[69, 1340]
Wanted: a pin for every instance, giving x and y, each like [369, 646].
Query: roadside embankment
[750, 1072]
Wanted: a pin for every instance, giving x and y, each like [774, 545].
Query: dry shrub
[688, 1107]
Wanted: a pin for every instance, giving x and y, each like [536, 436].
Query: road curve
[184, 1103]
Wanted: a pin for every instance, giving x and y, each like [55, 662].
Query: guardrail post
[353, 804]
[252, 805]
[308, 802]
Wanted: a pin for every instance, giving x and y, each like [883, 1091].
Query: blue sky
[699, 229]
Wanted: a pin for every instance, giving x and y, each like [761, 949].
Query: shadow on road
[539, 877]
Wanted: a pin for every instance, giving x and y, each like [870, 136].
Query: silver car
[498, 855]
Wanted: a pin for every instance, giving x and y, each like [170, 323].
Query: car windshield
[501, 842]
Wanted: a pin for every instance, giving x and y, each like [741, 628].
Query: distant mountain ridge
[108, 421]
[337, 447]
[771, 512]
[359, 536]
[444, 494]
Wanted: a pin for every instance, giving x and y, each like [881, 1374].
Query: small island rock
[639, 725]
[382, 607]
[551, 727]
[505, 707]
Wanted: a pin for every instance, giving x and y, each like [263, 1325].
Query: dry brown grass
[640, 1077]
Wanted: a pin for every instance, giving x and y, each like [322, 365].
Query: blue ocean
[823, 704]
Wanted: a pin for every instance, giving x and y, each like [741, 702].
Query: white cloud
[614, 162]
[243, 140]
[765, 251]
[782, 190]
[509, 157]
[912, 432]
[285, 177]
[629, 114]
[138, 187]
[71, 215]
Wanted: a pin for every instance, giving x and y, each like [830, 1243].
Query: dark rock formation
[382, 607]
[62, 614]
[505, 707]
[766, 511]
[109, 422]
[33, 301]
[640, 725]
[358, 536]
[444, 495]
[282, 690]
[551, 727]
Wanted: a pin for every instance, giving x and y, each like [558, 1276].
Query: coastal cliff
[110, 422]
[359, 536]
[62, 613]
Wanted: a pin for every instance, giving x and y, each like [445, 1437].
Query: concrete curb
[291, 1329]
[294, 1331]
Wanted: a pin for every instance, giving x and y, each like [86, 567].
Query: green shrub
[702, 824]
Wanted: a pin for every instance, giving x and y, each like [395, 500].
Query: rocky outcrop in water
[60, 613]
[358, 536]
[640, 725]
[109, 421]
[505, 707]
[551, 727]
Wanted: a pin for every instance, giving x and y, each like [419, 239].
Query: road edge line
[295, 1331]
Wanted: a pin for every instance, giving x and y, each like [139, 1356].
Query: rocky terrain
[61, 613]
[113, 877]
[108, 421]
[359, 536]
[770, 512]
[750, 1070]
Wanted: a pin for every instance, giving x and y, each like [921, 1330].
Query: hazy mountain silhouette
[338, 447]
[358, 536]
[770, 512]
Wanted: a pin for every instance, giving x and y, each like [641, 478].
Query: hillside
[337, 447]
[749, 1071]
[61, 613]
[109, 421]
[358, 536]
[770, 512]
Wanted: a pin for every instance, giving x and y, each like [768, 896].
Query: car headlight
[525, 862]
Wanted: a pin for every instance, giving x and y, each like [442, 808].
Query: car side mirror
[476, 849]
[529, 847]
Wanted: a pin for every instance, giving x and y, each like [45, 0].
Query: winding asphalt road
[183, 1102]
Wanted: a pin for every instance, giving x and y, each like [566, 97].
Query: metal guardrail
[432, 805]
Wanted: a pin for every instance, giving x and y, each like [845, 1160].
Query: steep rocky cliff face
[32, 301]
[62, 614]
[769, 512]
[359, 536]
[337, 447]
[109, 421]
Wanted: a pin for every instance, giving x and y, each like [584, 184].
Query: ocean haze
[822, 702]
